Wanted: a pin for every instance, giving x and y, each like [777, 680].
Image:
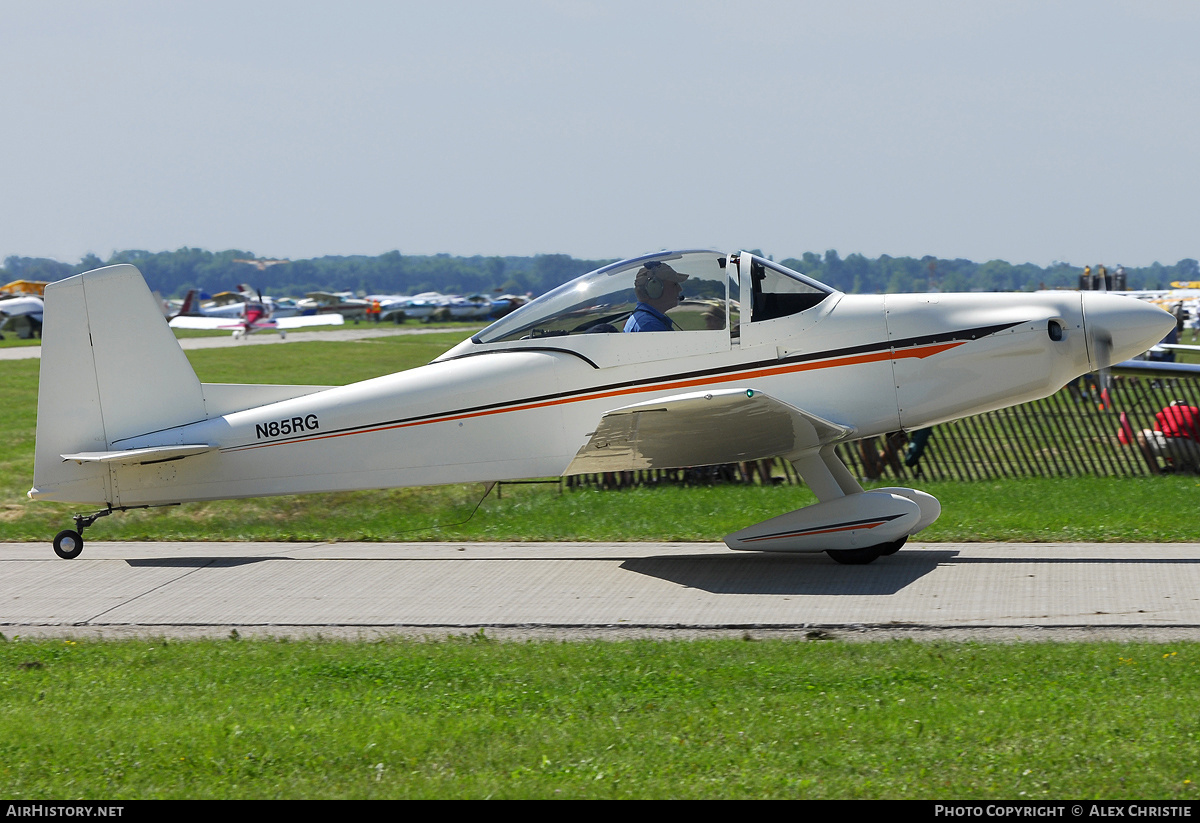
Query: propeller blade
[1104, 347]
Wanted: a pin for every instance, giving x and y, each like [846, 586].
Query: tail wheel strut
[68, 543]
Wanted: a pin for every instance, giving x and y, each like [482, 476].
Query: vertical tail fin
[111, 369]
[191, 304]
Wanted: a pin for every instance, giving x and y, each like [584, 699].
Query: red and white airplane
[251, 313]
[758, 361]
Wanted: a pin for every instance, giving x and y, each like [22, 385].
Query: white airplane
[342, 302]
[21, 307]
[231, 304]
[21, 313]
[248, 316]
[475, 306]
[760, 361]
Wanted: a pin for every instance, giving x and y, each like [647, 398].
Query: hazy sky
[1026, 131]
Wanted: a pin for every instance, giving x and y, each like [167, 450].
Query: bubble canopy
[601, 301]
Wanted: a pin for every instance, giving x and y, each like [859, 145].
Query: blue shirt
[647, 318]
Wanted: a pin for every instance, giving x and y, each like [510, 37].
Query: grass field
[705, 719]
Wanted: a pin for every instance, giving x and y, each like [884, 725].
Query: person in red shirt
[1179, 420]
[1175, 438]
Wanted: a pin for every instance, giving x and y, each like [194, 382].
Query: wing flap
[701, 429]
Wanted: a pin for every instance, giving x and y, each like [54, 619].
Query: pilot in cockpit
[659, 288]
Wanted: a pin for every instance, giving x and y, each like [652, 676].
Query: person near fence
[875, 459]
[1175, 438]
[917, 441]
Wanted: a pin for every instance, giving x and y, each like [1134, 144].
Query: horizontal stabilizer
[702, 429]
[155, 454]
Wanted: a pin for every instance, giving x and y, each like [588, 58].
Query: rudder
[111, 369]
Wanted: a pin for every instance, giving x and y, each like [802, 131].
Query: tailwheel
[68, 543]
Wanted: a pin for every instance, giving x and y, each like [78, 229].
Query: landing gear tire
[867, 554]
[855, 557]
[68, 543]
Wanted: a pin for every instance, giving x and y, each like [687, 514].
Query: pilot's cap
[658, 271]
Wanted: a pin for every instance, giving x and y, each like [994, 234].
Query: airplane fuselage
[872, 363]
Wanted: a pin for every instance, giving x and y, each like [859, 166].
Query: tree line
[173, 273]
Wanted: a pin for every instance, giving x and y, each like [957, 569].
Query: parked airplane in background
[423, 306]
[758, 361]
[342, 302]
[226, 304]
[231, 304]
[24, 287]
[391, 307]
[252, 315]
[430, 305]
[22, 314]
[21, 307]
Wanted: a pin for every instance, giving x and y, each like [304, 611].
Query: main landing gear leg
[68, 543]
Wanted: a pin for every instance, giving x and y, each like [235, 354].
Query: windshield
[778, 291]
[602, 301]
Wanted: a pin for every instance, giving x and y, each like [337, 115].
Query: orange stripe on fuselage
[811, 532]
[919, 352]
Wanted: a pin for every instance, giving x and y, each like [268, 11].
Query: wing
[324, 298]
[701, 429]
[185, 321]
[226, 298]
[309, 320]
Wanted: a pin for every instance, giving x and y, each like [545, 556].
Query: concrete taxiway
[575, 590]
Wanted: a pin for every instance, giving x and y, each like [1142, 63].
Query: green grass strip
[474, 718]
